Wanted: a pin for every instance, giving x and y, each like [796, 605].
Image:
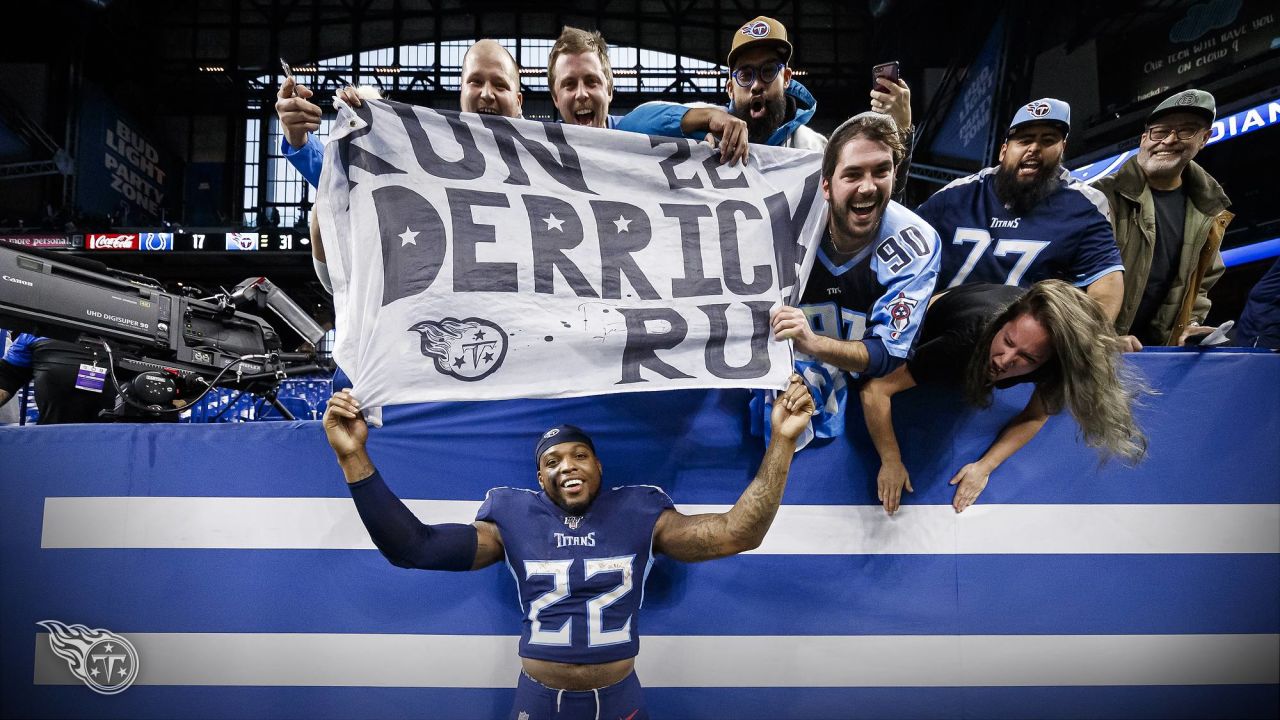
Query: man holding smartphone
[763, 93]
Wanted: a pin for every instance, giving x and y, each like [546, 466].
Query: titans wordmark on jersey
[878, 296]
[1067, 236]
[580, 578]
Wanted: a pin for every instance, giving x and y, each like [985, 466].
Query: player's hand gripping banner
[479, 257]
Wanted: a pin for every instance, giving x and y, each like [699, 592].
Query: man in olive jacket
[1169, 217]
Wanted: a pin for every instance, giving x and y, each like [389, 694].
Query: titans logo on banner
[584, 261]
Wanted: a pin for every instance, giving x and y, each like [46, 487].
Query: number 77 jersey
[1066, 236]
[580, 578]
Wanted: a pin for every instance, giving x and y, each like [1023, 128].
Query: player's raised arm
[403, 539]
[712, 535]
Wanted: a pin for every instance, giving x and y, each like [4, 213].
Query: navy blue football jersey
[879, 295]
[580, 579]
[1067, 236]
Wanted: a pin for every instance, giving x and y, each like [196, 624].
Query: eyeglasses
[1160, 134]
[746, 75]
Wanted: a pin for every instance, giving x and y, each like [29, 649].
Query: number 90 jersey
[878, 296]
[580, 578]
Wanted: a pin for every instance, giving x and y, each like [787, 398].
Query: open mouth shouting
[863, 211]
[757, 107]
[583, 116]
[1029, 168]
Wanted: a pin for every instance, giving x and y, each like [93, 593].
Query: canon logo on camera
[20, 281]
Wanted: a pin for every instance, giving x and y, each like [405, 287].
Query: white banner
[478, 257]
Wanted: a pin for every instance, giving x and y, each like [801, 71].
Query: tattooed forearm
[749, 519]
[692, 538]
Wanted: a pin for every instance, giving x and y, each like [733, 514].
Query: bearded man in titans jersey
[579, 553]
[1027, 219]
[872, 277]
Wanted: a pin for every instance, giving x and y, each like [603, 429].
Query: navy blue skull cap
[561, 434]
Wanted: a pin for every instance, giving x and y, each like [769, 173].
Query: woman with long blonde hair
[982, 337]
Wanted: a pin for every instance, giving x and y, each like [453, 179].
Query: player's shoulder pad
[497, 494]
[649, 492]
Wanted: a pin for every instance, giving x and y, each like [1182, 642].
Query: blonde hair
[1086, 374]
[575, 41]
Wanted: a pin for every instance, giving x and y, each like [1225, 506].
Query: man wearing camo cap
[1169, 264]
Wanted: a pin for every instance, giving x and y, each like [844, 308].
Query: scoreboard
[193, 241]
[185, 241]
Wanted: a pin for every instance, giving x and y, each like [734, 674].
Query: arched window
[430, 67]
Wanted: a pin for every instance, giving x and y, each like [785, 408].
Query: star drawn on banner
[408, 237]
[623, 224]
[553, 222]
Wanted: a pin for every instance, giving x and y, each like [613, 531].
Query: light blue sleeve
[906, 264]
[308, 159]
[658, 118]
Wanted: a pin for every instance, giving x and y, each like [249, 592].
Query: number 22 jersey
[580, 578]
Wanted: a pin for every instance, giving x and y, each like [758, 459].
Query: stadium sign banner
[1180, 46]
[479, 257]
[37, 241]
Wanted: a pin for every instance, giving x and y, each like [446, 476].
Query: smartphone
[888, 71]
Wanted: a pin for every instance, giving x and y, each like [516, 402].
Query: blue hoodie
[663, 118]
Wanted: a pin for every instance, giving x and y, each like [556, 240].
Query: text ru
[415, 239]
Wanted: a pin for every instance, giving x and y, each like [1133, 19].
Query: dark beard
[1021, 197]
[760, 130]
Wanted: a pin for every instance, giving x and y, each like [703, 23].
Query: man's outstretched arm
[401, 537]
[692, 538]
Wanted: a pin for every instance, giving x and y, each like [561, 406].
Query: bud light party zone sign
[479, 257]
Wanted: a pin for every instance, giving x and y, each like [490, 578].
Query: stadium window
[416, 68]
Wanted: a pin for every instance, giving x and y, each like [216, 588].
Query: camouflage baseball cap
[1196, 102]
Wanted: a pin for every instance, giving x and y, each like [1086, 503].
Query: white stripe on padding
[333, 524]
[479, 661]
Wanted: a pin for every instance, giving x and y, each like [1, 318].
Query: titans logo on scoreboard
[470, 349]
[900, 313]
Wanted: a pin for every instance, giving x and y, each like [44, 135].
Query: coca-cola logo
[124, 241]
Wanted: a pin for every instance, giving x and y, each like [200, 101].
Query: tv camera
[177, 347]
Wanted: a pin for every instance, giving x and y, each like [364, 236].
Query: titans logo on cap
[1038, 108]
[470, 349]
[1187, 98]
[757, 29]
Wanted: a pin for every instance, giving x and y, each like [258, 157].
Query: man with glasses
[775, 107]
[1170, 263]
